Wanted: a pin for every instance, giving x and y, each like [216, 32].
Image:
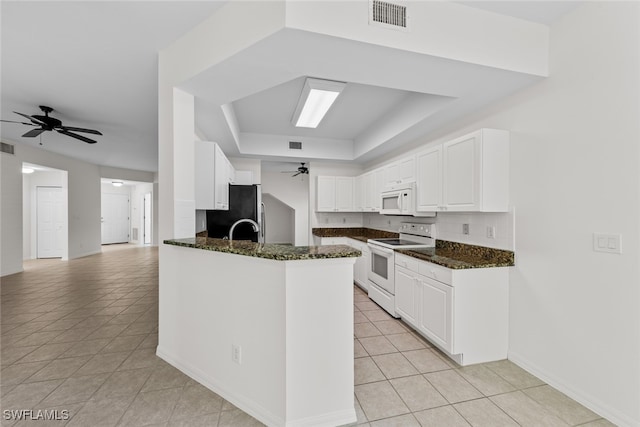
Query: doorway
[146, 218]
[50, 214]
[115, 218]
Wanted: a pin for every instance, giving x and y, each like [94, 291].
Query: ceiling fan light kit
[46, 123]
[315, 100]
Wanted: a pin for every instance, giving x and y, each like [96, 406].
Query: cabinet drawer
[435, 272]
[407, 262]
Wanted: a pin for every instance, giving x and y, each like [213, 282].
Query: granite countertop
[358, 233]
[448, 254]
[462, 256]
[269, 251]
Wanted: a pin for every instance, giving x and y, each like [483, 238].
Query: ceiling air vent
[295, 145]
[6, 148]
[389, 15]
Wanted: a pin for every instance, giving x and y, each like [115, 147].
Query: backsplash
[449, 226]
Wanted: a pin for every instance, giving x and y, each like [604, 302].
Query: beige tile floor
[80, 336]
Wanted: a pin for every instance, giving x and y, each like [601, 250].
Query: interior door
[147, 219]
[50, 219]
[115, 218]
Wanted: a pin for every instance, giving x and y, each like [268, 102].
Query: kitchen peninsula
[268, 327]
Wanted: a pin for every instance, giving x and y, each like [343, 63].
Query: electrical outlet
[388, 222]
[491, 232]
[326, 220]
[344, 220]
[236, 354]
[465, 228]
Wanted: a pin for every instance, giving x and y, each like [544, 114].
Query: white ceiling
[95, 63]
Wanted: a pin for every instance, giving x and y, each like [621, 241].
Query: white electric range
[382, 267]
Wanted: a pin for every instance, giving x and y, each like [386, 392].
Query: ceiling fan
[46, 123]
[302, 169]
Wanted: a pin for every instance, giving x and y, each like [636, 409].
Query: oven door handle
[385, 252]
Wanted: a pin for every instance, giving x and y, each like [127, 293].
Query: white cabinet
[463, 312]
[467, 174]
[436, 320]
[373, 182]
[400, 171]
[359, 193]
[429, 180]
[335, 194]
[407, 296]
[344, 193]
[213, 174]
[361, 267]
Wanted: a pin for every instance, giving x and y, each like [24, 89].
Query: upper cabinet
[335, 194]
[429, 180]
[400, 171]
[467, 174]
[371, 187]
[213, 174]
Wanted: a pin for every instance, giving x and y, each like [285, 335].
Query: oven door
[381, 269]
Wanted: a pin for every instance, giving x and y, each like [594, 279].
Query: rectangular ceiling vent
[6, 148]
[388, 15]
[295, 145]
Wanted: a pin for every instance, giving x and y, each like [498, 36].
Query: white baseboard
[85, 254]
[10, 272]
[212, 384]
[590, 402]
[327, 420]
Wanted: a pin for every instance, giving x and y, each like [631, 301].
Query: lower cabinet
[462, 312]
[407, 295]
[361, 268]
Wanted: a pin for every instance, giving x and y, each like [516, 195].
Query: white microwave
[398, 199]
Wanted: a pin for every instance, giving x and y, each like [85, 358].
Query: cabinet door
[378, 185]
[407, 169]
[326, 194]
[221, 195]
[436, 319]
[344, 193]
[392, 174]
[461, 173]
[429, 180]
[358, 194]
[406, 297]
[369, 191]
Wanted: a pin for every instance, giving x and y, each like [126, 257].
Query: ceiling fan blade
[69, 128]
[33, 133]
[33, 120]
[22, 123]
[296, 174]
[288, 171]
[76, 136]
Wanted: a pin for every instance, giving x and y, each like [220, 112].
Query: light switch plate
[610, 243]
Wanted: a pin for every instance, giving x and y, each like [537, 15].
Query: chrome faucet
[254, 224]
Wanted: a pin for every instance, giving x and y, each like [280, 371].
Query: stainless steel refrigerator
[245, 201]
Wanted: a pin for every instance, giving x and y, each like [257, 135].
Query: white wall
[10, 214]
[575, 166]
[83, 204]
[253, 165]
[294, 192]
[29, 208]
[281, 226]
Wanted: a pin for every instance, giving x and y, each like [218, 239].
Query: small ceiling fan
[302, 170]
[46, 123]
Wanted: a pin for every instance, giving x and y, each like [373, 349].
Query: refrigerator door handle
[263, 218]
